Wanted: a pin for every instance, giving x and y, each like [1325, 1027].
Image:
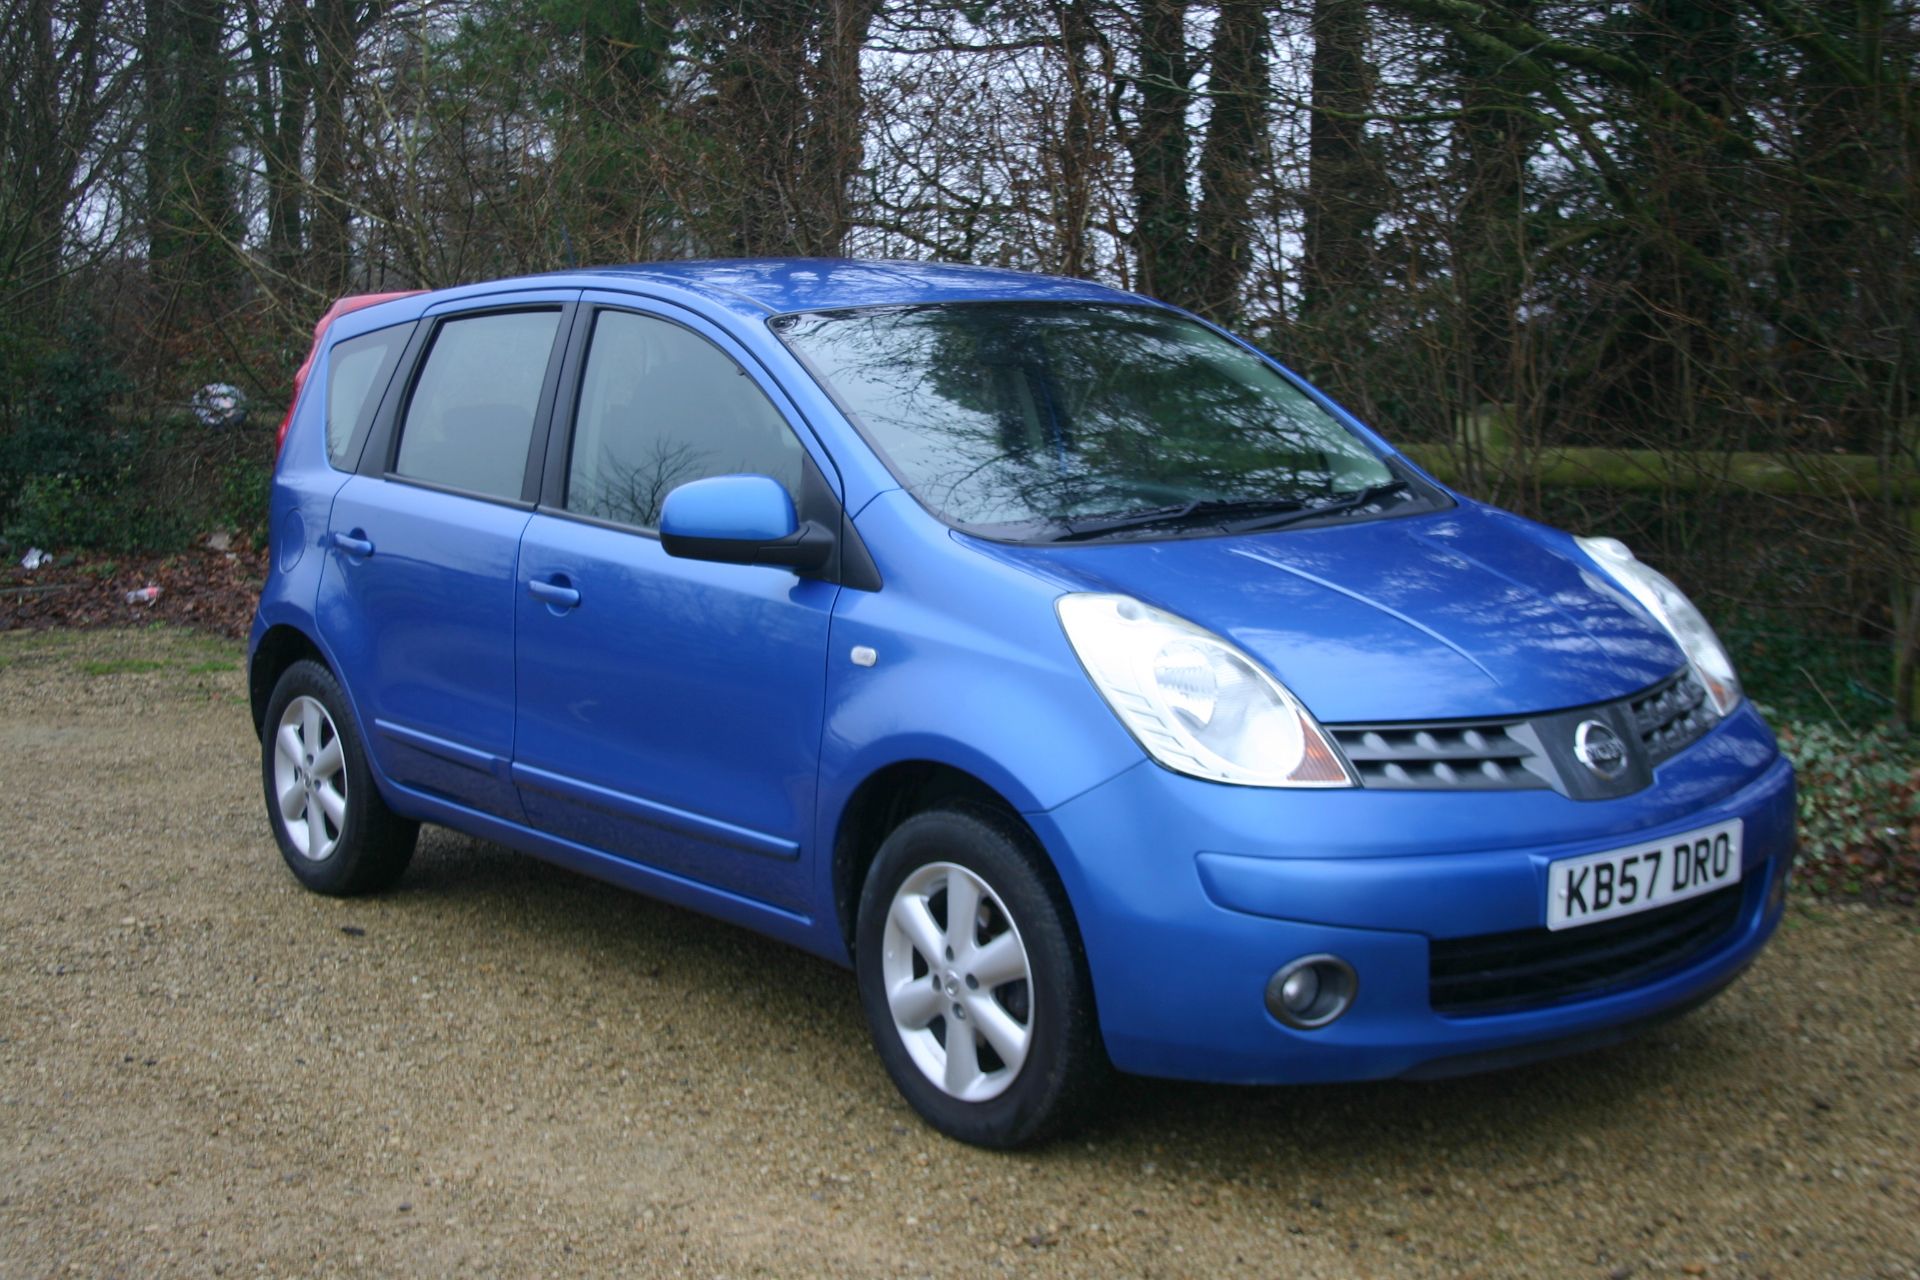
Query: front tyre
[334, 829]
[974, 983]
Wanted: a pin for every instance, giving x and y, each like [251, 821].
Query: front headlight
[1196, 703]
[1672, 610]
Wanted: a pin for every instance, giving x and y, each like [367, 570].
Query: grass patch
[121, 666]
[124, 651]
[33, 643]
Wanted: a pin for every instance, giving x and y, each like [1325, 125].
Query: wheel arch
[279, 648]
[889, 796]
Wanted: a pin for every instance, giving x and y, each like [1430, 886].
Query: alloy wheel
[958, 981]
[309, 778]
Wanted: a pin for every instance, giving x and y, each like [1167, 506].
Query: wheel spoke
[916, 1003]
[999, 962]
[293, 797]
[316, 831]
[328, 762]
[997, 1027]
[286, 745]
[310, 725]
[335, 806]
[910, 914]
[963, 906]
[963, 1058]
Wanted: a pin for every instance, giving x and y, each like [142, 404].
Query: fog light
[1300, 990]
[1312, 991]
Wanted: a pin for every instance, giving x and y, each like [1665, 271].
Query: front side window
[659, 406]
[1032, 420]
[357, 372]
[470, 422]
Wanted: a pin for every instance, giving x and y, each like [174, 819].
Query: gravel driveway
[506, 1069]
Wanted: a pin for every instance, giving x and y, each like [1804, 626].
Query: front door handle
[557, 594]
[355, 544]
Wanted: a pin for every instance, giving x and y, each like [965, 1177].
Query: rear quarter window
[358, 371]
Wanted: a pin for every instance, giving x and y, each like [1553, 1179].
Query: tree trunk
[1495, 139]
[192, 225]
[1077, 161]
[1231, 159]
[287, 131]
[1162, 207]
[1343, 196]
[336, 42]
[832, 131]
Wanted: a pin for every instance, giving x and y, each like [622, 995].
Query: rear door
[669, 710]
[418, 597]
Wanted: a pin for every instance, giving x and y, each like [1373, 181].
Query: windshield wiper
[1338, 506]
[1200, 508]
[1275, 513]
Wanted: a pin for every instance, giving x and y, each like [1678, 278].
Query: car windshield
[1026, 420]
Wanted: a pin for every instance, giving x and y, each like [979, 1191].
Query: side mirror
[741, 520]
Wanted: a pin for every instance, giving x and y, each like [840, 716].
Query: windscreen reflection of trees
[999, 415]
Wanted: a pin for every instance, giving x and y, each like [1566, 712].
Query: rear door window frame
[382, 450]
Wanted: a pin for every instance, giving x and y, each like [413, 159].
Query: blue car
[1100, 692]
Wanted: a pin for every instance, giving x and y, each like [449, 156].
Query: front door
[669, 711]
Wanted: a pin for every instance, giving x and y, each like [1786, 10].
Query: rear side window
[357, 372]
[470, 420]
[659, 406]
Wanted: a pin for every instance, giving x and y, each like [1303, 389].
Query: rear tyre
[974, 982]
[335, 831]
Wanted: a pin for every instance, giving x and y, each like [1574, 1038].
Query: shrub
[1859, 810]
[64, 510]
[68, 471]
[246, 482]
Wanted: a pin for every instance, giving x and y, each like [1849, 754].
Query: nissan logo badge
[1600, 749]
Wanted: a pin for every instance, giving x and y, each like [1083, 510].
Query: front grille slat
[1671, 716]
[1492, 973]
[1482, 755]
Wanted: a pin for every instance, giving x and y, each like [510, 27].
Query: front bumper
[1189, 895]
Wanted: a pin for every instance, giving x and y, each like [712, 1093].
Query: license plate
[1621, 882]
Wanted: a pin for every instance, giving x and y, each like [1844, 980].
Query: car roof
[770, 286]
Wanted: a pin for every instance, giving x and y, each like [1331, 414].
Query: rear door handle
[556, 593]
[355, 544]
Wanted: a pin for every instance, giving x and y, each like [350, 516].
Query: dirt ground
[505, 1069]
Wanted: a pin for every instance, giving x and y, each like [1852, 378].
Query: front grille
[1484, 756]
[1534, 751]
[1671, 716]
[1501, 972]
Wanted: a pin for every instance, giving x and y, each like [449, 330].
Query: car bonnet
[1466, 613]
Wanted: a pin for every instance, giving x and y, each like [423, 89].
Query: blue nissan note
[1098, 690]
